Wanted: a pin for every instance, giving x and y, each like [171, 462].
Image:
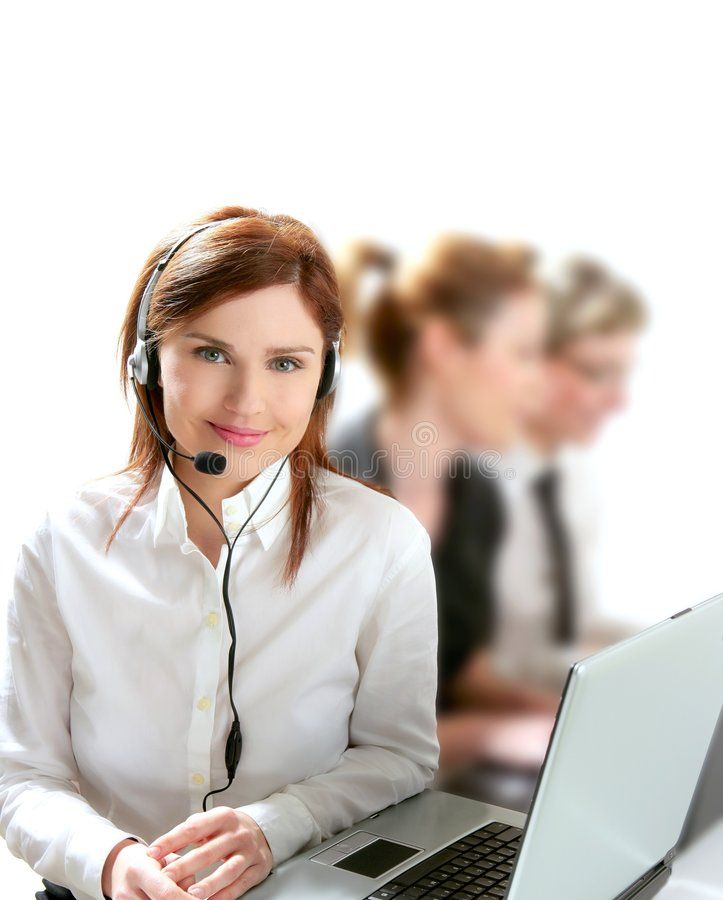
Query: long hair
[254, 251]
[463, 278]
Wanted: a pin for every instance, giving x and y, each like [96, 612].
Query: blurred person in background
[548, 615]
[457, 342]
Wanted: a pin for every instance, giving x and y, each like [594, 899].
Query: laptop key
[423, 868]
[474, 870]
[509, 835]
[428, 882]
[462, 844]
[493, 828]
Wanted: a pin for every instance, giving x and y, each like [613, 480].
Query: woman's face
[489, 388]
[254, 361]
[585, 383]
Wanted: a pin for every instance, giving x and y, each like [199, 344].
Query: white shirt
[115, 675]
[524, 586]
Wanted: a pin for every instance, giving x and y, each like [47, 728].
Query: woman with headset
[149, 668]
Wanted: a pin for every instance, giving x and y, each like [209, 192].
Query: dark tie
[546, 488]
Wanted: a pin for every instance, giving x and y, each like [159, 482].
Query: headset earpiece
[331, 372]
[153, 363]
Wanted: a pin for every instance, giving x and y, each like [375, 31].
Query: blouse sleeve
[393, 749]
[43, 817]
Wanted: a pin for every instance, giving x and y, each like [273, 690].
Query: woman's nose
[245, 394]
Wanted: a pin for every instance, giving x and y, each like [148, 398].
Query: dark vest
[463, 558]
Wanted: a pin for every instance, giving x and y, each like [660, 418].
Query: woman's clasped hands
[221, 835]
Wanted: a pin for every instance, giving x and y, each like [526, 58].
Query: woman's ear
[435, 343]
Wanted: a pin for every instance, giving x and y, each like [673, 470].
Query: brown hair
[252, 252]
[462, 278]
[587, 298]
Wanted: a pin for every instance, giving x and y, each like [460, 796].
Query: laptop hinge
[652, 882]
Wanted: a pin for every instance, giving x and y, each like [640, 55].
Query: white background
[589, 127]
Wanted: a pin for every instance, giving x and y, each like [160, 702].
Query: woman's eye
[287, 359]
[201, 350]
[288, 363]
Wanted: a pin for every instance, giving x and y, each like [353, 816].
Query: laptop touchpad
[366, 854]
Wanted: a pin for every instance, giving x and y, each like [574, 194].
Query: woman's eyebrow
[219, 343]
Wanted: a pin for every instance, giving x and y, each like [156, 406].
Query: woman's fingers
[196, 827]
[230, 880]
[184, 883]
[157, 884]
[519, 740]
[201, 857]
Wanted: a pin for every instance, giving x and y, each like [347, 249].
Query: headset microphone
[206, 461]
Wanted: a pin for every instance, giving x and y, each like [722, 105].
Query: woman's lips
[239, 439]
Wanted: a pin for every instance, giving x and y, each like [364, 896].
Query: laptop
[630, 738]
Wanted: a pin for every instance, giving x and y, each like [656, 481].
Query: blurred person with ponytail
[456, 343]
[549, 615]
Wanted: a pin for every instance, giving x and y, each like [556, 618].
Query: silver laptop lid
[630, 739]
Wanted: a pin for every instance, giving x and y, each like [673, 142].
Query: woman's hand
[131, 875]
[223, 835]
[518, 740]
[477, 685]
[514, 739]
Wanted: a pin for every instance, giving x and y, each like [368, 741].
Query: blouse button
[197, 778]
[212, 619]
[203, 703]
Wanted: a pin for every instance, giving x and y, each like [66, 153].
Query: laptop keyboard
[477, 865]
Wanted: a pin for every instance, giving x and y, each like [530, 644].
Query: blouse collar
[267, 522]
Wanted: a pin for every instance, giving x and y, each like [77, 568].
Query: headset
[143, 368]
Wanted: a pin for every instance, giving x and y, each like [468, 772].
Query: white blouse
[114, 707]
